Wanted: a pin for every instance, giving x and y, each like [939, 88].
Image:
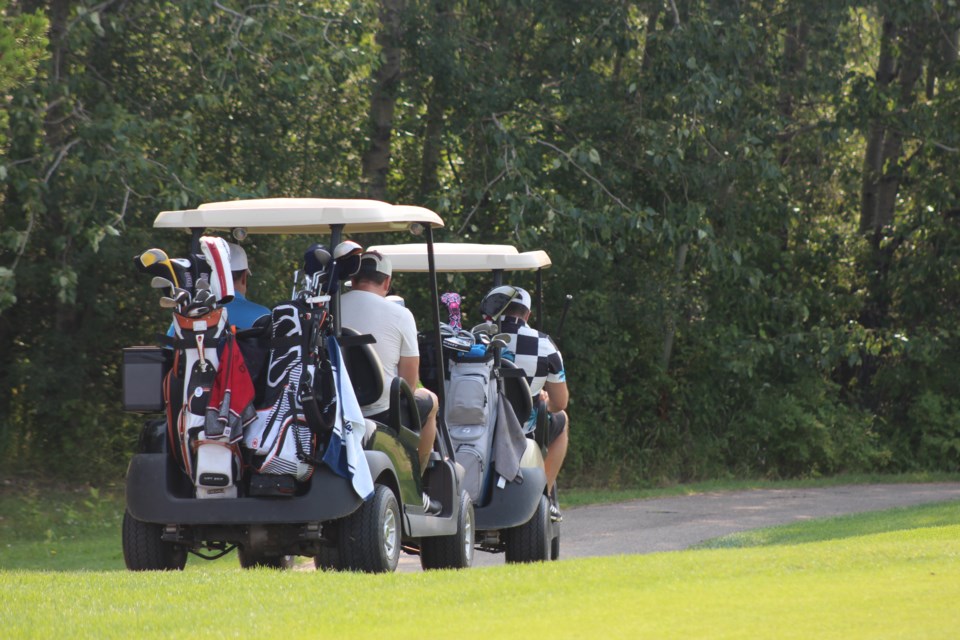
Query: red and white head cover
[217, 254]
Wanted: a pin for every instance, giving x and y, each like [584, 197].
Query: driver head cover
[217, 254]
[499, 298]
[347, 258]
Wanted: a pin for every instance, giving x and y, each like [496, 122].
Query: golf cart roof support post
[497, 277]
[195, 234]
[336, 234]
[438, 344]
[539, 298]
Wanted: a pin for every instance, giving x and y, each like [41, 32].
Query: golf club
[156, 262]
[160, 282]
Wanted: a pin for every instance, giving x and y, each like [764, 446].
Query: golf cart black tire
[451, 552]
[530, 542]
[144, 550]
[327, 559]
[370, 537]
[250, 560]
[555, 546]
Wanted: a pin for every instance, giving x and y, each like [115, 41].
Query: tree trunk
[386, 80]
[884, 153]
[673, 306]
[900, 61]
[437, 101]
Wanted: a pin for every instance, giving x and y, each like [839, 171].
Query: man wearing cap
[535, 353]
[241, 312]
[366, 309]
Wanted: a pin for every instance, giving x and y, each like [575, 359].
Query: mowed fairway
[899, 584]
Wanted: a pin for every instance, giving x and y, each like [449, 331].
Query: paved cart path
[671, 524]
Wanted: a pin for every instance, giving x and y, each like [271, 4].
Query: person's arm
[557, 395]
[409, 366]
[409, 369]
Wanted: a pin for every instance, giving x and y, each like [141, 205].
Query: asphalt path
[672, 524]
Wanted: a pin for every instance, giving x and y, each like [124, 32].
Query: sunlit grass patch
[897, 584]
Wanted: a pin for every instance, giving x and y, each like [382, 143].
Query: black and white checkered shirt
[534, 352]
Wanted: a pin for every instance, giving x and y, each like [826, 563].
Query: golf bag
[471, 416]
[298, 399]
[206, 449]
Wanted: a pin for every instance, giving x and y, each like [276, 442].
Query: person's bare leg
[556, 452]
[428, 433]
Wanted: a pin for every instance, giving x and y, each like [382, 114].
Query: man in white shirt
[366, 309]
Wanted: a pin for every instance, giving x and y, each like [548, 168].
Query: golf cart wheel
[530, 542]
[327, 559]
[252, 560]
[451, 552]
[555, 545]
[144, 550]
[370, 536]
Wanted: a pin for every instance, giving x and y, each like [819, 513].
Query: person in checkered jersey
[535, 353]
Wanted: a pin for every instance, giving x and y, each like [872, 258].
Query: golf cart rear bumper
[514, 504]
[152, 497]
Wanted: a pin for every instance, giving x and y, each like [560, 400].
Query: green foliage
[697, 178]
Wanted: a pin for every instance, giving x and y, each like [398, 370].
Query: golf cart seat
[366, 373]
[363, 365]
[517, 390]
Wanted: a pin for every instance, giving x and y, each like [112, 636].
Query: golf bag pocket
[469, 393]
[472, 462]
[291, 453]
[217, 463]
[199, 385]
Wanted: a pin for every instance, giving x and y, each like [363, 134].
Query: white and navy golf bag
[206, 450]
[298, 399]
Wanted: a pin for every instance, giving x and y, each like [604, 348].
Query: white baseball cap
[374, 261]
[238, 258]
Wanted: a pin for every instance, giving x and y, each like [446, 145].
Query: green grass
[840, 527]
[892, 574]
[902, 584]
[574, 497]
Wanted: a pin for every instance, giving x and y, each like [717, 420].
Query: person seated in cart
[367, 309]
[535, 353]
[242, 313]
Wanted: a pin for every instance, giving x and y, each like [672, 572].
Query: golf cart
[308, 474]
[487, 402]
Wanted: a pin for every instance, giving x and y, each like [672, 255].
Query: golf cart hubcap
[390, 533]
[468, 537]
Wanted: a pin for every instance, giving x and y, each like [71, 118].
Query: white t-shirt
[394, 328]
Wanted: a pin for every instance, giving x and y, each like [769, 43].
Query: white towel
[344, 454]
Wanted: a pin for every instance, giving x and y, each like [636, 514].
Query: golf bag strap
[176, 343]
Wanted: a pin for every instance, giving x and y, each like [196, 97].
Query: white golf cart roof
[451, 257]
[299, 215]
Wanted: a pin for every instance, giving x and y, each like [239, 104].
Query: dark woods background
[753, 202]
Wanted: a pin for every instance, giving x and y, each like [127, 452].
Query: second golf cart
[487, 399]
